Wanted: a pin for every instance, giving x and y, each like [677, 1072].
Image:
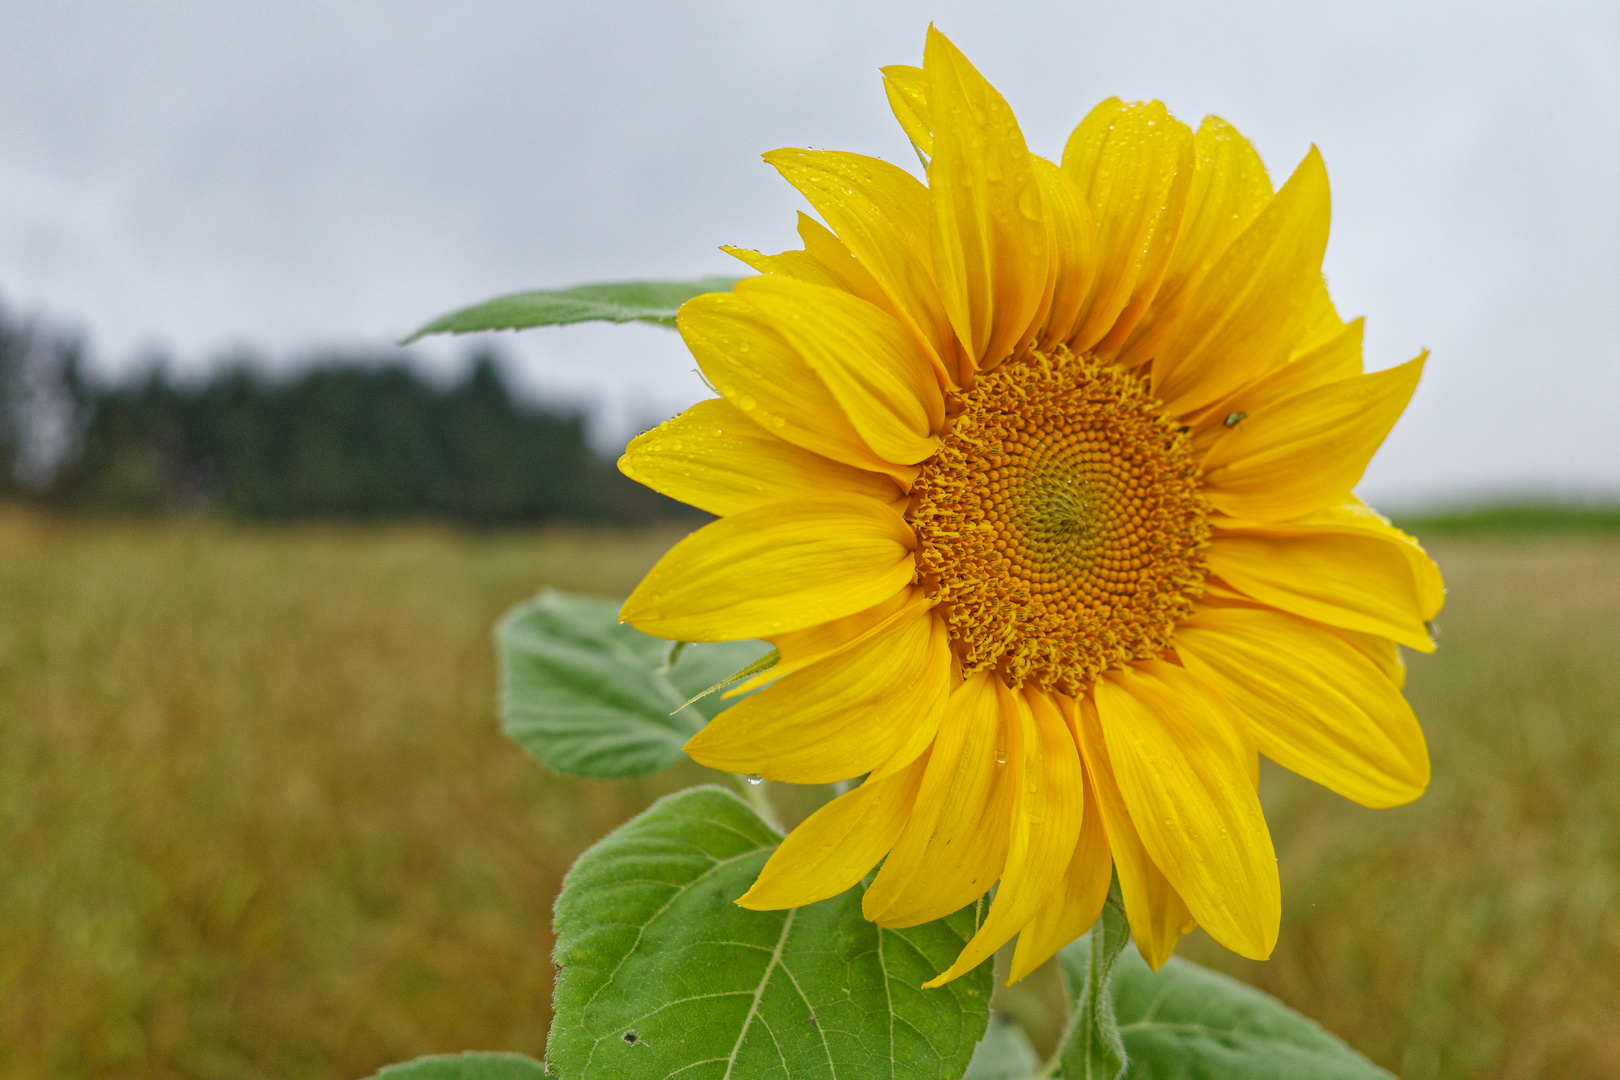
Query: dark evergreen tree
[352, 437]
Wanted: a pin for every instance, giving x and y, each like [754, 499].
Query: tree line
[351, 437]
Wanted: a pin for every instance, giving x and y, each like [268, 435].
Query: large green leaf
[1190, 1023]
[617, 302]
[1004, 1053]
[466, 1067]
[660, 975]
[591, 696]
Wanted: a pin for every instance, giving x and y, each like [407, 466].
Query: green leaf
[1190, 1023]
[616, 302]
[591, 696]
[1003, 1054]
[763, 664]
[661, 975]
[472, 1066]
[1092, 1048]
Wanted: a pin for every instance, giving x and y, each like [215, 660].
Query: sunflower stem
[1092, 1048]
[757, 792]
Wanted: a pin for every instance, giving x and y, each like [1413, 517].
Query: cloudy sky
[189, 177]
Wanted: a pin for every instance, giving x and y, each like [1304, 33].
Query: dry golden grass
[255, 815]
[256, 819]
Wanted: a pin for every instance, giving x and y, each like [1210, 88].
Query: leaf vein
[641, 931]
[759, 993]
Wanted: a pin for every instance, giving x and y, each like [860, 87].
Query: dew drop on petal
[755, 778]
[1029, 203]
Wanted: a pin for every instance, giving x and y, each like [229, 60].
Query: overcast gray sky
[192, 176]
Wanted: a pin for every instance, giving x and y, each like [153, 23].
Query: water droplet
[742, 346]
[1001, 757]
[1029, 202]
[755, 778]
[727, 390]
[746, 402]
[777, 420]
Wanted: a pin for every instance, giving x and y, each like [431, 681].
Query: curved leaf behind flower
[616, 302]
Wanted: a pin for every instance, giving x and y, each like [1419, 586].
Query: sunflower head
[1060, 526]
[1038, 474]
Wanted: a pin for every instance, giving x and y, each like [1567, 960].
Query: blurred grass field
[256, 819]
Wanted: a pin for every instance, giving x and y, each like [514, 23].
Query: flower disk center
[1061, 526]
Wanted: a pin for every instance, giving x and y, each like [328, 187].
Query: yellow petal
[1245, 317]
[954, 845]
[1154, 910]
[1381, 651]
[1229, 188]
[1316, 703]
[754, 368]
[715, 458]
[908, 97]
[841, 717]
[1134, 165]
[799, 649]
[1308, 450]
[1043, 766]
[880, 212]
[921, 736]
[875, 370]
[799, 265]
[835, 846]
[1182, 769]
[843, 268]
[779, 567]
[1073, 266]
[989, 239]
[1334, 358]
[1075, 905]
[1321, 322]
[847, 273]
[1345, 567]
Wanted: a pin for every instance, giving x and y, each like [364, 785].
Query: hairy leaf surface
[471, 1066]
[591, 696]
[1189, 1023]
[1004, 1053]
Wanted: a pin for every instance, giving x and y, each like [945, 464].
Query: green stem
[759, 797]
[1092, 1048]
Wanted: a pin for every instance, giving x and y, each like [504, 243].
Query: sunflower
[1038, 476]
